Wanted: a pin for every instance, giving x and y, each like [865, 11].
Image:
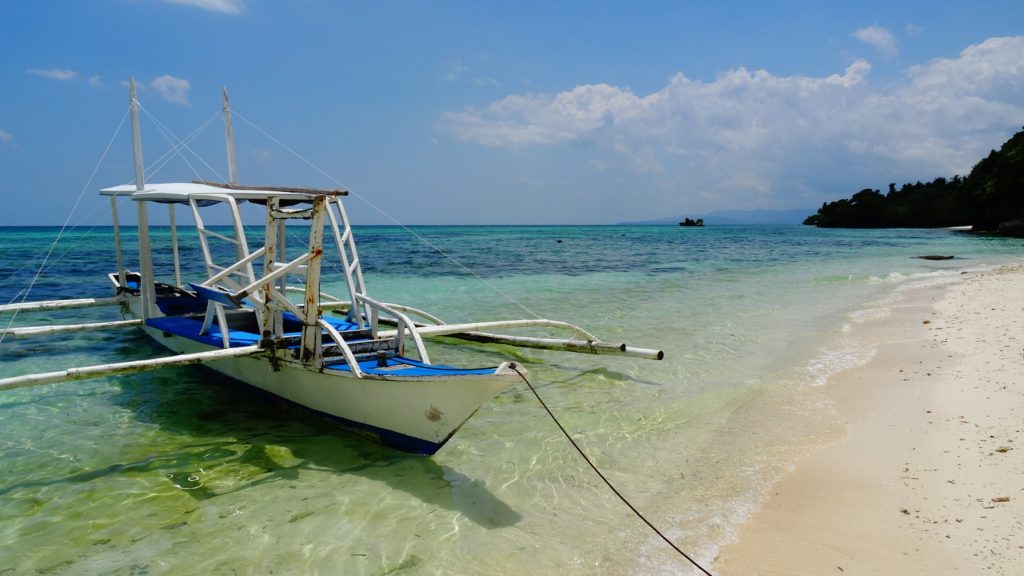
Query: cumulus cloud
[222, 6]
[878, 38]
[986, 70]
[95, 82]
[53, 73]
[520, 120]
[171, 89]
[769, 135]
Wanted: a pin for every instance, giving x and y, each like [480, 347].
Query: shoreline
[933, 443]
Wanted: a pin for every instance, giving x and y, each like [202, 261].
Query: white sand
[934, 442]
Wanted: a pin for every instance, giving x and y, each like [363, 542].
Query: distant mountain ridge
[726, 217]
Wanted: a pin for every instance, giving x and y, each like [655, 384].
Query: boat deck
[391, 365]
[239, 333]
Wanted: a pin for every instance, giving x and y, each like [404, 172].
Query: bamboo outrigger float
[369, 369]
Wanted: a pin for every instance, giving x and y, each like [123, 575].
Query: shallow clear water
[178, 471]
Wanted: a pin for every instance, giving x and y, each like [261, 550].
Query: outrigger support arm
[59, 304]
[30, 331]
[565, 345]
[588, 345]
[86, 372]
[448, 329]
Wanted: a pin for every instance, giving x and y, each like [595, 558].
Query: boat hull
[415, 414]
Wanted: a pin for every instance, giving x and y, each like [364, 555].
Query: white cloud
[171, 89]
[455, 69]
[459, 70]
[53, 73]
[5, 136]
[539, 119]
[878, 38]
[985, 70]
[222, 6]
[769, 136]
[96, 82]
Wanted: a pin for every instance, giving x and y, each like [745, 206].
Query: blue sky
[522, 113]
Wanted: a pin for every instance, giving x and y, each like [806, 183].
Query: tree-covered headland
[990, 199]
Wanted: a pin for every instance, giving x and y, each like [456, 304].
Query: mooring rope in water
[605, 479]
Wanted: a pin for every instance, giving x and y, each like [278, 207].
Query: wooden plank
[272, 188]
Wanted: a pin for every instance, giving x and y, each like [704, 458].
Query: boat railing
[344, 240]
[278, 271]
[327, 301]
[235, 268]
[416, 312]
[404, 324]
[346, 351]
[234, 275]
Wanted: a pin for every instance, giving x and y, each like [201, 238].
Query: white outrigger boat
[370, 369]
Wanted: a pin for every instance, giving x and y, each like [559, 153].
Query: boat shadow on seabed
[244, 440]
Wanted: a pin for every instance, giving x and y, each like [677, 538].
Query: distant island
[990, 200]
[689, 222]
[733, 217]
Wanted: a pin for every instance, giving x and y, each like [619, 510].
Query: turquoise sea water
[180, 472]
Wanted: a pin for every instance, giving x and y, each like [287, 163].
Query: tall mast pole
[146, 286]
[136, 136]
[230, 133]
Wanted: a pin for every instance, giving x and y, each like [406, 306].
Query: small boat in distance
[360, 361]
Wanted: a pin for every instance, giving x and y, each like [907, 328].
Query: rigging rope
[25, 292]
[605, 479]
[181, 144]
[48, 263]
[164, 159]
[309, 163]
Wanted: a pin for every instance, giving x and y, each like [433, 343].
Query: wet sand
[929, 478]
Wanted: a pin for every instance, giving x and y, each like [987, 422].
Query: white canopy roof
[182, 192]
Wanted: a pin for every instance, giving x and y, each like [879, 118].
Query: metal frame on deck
[236, 285]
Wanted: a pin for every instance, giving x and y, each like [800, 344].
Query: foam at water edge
[942, 277]
[835, 360]
[866, 315]
[717, 532]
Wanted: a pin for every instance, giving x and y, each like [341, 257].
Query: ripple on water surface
[180, 472]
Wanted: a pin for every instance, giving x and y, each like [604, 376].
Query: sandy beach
[929, 478]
